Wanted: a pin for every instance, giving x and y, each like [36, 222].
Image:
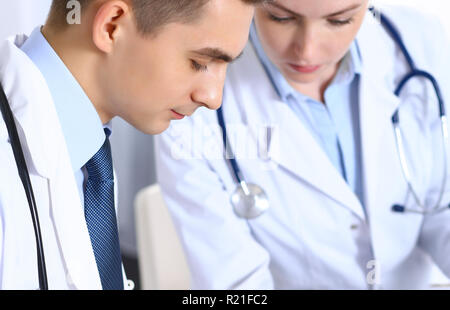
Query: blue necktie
[101, 219]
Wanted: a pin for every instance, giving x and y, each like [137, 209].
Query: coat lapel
[377, 105]
[296, 150]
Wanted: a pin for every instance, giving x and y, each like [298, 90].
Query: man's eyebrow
[217, 54]
[350, 8]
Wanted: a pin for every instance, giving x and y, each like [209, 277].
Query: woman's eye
[338, 22]
[280, 19]
[199, 67]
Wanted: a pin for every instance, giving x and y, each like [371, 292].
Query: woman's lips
[304, 69]
[177, 115]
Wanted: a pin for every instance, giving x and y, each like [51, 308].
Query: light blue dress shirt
[81, 125]
[335, 124]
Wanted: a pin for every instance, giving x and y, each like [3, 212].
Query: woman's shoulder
[421, 31]
[412, 21]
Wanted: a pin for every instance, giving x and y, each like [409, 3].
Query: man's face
[151, 80]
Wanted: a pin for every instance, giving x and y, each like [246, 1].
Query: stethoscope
[249, 201]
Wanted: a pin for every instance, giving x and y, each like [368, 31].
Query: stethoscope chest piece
[249, 201]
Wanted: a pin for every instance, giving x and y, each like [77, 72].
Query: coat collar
[29, 101]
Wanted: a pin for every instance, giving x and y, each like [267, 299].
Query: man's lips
[177, 115]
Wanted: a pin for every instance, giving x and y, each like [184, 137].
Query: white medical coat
[69, 257]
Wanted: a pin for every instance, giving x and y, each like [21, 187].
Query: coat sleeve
[435, 234]
[219, 247]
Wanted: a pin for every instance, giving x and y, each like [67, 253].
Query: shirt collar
[81, 125]
[350, 66]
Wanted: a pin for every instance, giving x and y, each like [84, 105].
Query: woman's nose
[305, 45]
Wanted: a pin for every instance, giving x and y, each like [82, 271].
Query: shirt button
[130, 285]
[354, 227]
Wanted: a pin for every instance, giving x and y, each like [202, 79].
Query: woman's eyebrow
[350, 8]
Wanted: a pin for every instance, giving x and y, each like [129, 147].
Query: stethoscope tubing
[227, 149]
[26, 182]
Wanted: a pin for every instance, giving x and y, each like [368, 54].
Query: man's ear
[108, 23]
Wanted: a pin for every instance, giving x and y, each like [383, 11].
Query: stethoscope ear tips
[398, 208]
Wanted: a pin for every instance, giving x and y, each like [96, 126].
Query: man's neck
[81, 61]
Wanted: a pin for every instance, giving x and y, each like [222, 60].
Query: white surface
[161, 259]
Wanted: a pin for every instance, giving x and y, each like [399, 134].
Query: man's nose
[209, 90]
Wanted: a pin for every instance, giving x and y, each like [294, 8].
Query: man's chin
[153, 128]
[160, 130]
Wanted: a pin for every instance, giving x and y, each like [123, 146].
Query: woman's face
[307, 39]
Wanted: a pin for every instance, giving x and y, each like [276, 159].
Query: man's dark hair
[150, 14]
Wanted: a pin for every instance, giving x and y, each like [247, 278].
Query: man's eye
[337, 22]
[280, 19]
[199, 67]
